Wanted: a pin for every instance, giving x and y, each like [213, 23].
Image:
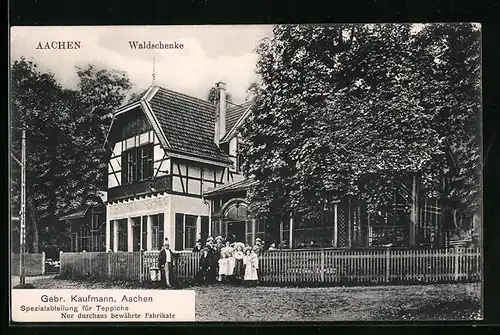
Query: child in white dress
[251, 261]
[223, 265]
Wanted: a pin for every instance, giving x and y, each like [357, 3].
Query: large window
[137, 163]
[429, 217]
[388, 228]
[157, 231]
[186, 232]
[122, 234]
[316, 231]
[190, 231]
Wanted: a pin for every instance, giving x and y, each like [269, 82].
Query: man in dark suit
[165, 262]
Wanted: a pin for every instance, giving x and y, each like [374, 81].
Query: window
[389, 228]
[157, 231]
[137, 163]
[186, 230]
[318, 230]
[146, 160]
[429, 224]
[122, 234]
[225, 147]
[190, 231]
[136, 234]
[84, 238]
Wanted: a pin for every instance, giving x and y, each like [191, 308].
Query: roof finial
[154, 73]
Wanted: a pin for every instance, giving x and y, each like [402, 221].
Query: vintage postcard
[249, 173]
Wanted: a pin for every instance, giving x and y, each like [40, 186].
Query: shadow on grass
[468, 308]
[24, 286]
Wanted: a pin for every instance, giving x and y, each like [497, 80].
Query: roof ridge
[187, 96]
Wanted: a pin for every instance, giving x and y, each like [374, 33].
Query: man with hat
[165, 262]
[260, 247]
[198, 247]
[219, 244]
[208, 271]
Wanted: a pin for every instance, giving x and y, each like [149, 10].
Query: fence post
[387, 265]
[108, 257]
[60, 262]
[456, 263]
[141, 264]
[43, 262]
[322, 273]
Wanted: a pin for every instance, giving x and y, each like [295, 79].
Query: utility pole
[23, 208]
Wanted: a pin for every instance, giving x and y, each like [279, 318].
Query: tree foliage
[356, 109]
[65, 134]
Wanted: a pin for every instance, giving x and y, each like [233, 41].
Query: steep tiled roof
[188, 123]
[232, 187]
[138, 96]
[234, 113]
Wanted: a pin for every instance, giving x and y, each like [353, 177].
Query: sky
[210, 54]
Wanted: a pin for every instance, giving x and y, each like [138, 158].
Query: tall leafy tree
[354, 109]
[65, 135]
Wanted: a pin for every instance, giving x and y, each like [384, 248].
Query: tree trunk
[34, 227]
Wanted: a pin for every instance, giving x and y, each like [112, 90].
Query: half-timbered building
[167, 149]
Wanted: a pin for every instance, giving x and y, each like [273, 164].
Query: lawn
[370, 303]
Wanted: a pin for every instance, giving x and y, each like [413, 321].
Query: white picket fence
[321, 266]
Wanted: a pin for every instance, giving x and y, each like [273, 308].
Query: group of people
[228, 262]
[221, 260]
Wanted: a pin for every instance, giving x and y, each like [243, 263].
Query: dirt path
[375, 303]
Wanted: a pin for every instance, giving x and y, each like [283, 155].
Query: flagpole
[23, 209]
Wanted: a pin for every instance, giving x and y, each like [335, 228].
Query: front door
[236, 228]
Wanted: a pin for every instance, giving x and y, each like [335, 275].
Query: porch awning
[240, 185]
[74, 215]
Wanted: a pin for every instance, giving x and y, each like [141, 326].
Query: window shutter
[149, 171]
[160, 230]
[124, 168]
[179, 231]
[137, 165]
[111, 234]
[144, 232]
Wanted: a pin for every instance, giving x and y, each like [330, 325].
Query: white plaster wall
[185, 205]
[233, 148]
[148, 206]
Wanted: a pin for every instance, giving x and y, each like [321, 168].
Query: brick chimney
[220, 112]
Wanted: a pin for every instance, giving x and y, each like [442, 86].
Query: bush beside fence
[34, 264]
[322, 266]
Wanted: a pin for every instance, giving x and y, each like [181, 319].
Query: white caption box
[103, 306]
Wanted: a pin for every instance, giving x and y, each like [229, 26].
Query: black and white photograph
[295, 172]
